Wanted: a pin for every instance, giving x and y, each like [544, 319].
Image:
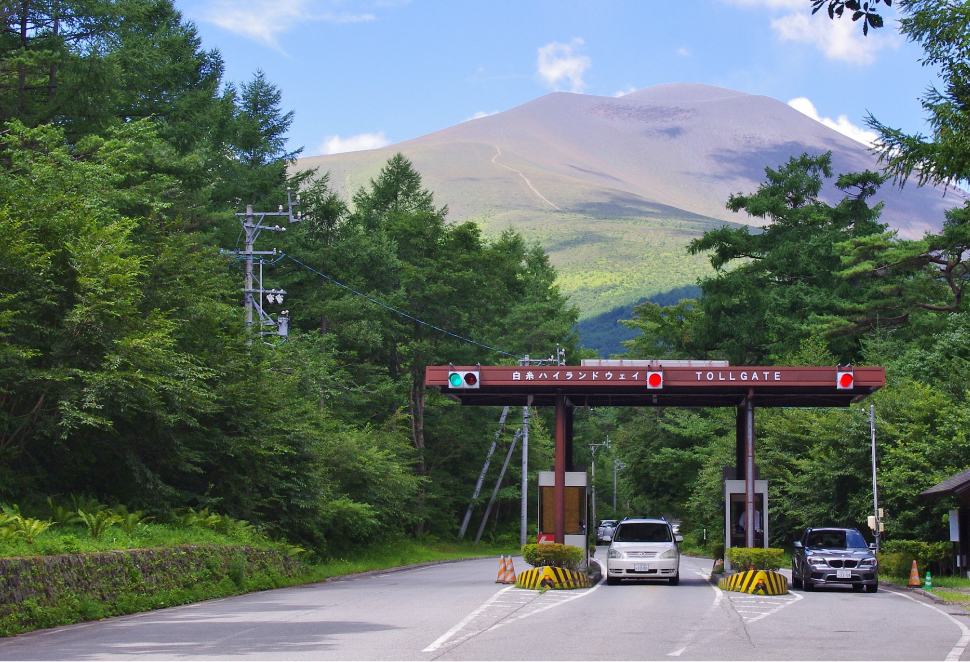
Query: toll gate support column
[740, 420]
[749, 517]
[570, 411]
[559, 508]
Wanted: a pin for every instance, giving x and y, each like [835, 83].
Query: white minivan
[643, 549]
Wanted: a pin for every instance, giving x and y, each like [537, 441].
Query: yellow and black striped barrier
[759, 582]
[552, 578]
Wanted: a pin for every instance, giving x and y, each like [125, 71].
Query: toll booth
[734, 509]
[577, 510]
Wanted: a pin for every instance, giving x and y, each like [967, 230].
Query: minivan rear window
[642, 532]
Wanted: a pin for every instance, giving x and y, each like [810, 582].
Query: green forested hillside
[127, 374]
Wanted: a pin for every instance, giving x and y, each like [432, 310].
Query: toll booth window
[642, 532]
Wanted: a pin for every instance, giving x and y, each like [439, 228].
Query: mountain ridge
[615, 188]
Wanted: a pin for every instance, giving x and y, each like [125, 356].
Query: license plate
[843, 574]
[641, 567]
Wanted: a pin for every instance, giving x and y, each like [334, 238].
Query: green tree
[779, 285]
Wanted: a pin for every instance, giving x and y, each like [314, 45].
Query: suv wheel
[809, 585]
[872, 588]
[612, 581]
[796, 581]
[674, 580]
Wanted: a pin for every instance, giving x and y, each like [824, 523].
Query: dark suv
[834, 556]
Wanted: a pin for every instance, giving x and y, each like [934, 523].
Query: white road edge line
[440, 641]
[957, 651]
[718, 596]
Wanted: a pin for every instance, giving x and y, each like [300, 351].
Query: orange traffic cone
[501, 570]
[505, 571]
[914, 576]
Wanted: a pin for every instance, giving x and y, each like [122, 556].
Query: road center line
[689, 637]
[957, 651]
[440, 641]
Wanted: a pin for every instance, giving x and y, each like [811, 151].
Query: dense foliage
[821, 285]
[126, 372]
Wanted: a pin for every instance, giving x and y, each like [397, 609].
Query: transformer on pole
[252, 225]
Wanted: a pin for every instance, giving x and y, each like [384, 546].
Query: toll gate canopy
[655, 383]
[621, 383]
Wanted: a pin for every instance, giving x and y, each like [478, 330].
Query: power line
[395, 310]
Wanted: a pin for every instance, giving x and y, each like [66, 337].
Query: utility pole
[481, 476]
[616, 466]
[558, 359]
[498, 486]
[524, 508]
[252, 224]
[592, 454]
[875, 489]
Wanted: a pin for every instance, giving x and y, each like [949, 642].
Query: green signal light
[454, 379]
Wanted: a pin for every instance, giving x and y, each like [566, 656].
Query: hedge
[756, 558]
[553, 554]
[46, 591]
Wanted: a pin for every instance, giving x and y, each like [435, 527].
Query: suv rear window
[850, 539]
[642, 532]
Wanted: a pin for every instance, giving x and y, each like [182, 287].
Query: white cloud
[479, 115]
[559, 63]
[362, 141]
[625, 91]
[264, 20]
[839, 40]
[842, 124]
[683, 52]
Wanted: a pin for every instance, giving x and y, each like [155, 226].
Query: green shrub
[756, 558]
[99, 521]
[717, 550]
[928, 555]
[237, 570]
[553, 554]
[895, 564]
[30, 528]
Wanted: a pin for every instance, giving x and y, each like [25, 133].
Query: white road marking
[534, 189]
[957, 651]
[773, 606]
[518, 601]
[558, 602]
[440, 641]
[686, 641]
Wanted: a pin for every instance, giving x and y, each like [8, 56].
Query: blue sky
[363, 73]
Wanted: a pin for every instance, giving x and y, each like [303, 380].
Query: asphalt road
[456, 612]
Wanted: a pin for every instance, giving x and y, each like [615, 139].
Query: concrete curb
[597, 574]
[400, 568]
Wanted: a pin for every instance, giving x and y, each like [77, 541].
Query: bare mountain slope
[615, 187]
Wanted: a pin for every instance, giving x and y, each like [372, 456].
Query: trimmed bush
[553, 554]
[756, 558]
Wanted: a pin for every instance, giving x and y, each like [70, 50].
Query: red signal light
[655, 380]
[471, 378]
[844, 380]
